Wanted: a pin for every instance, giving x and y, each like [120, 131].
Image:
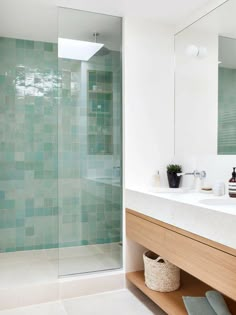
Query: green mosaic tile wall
[227, 111]
[91, 210]
[28, 145]
[46, 202]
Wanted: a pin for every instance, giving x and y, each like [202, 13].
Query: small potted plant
[173, 179]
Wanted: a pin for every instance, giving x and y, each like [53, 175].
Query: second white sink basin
[219, 202]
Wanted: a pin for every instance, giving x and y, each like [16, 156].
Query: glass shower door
[90, 142]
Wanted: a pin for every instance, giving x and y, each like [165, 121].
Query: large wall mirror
[205, 84]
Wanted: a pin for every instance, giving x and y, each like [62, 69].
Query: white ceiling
[37, 19]
[169, 11]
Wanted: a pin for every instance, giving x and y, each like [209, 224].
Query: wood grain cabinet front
[212, 263]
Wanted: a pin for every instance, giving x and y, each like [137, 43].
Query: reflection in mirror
[205, 78]
[227, 96]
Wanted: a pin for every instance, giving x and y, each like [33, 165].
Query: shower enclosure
[61, 150]
[89, 143]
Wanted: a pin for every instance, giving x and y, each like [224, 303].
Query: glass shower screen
[89, 142]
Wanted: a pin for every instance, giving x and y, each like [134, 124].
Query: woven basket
[160, 275]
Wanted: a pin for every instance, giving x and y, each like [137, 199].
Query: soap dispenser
[232, 185]
[156, 180]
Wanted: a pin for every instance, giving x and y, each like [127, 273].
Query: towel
[217, 302]
[212, 304]
[198, 306]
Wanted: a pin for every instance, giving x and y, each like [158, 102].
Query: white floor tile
[118, 302]
[56, 308]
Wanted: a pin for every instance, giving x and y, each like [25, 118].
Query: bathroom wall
[43, 118]
[28, 129]
[148, 99]
[196, 92]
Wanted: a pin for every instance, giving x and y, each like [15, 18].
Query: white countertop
[186, 211]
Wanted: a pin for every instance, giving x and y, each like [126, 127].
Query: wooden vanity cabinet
[205, 264]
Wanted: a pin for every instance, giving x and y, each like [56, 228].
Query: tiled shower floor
[40, 266]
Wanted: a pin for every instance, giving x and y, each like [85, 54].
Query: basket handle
[160, 258]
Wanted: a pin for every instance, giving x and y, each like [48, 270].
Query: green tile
[48, 46]
[84, 217]
[29, 203]
[84, 242]
[29, 44]
[20, 43]
[2, 79]
[20, 222]
[48, 211]
[29, 231]
[48, 146]
[10, 249]
[29, 212]
[2, 195]
[7, 204]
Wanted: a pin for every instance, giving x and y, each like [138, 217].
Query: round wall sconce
[194, 51]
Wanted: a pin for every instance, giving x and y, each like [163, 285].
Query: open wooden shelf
[172, 302]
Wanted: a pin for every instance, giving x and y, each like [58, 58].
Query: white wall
[148, 99]
[196, 93]
[149, 105]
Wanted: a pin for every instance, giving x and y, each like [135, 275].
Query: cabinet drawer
[212, 266]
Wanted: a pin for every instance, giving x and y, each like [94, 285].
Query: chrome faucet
[196, 174]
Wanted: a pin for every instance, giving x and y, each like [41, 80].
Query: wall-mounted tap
[196, 174]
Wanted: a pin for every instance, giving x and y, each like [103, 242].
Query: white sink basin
[218, 202]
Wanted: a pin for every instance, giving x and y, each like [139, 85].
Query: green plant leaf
[174, 168]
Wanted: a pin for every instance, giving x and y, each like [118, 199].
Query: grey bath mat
[212, 304]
